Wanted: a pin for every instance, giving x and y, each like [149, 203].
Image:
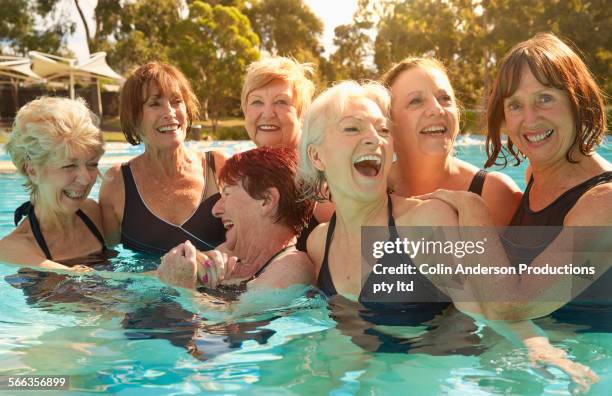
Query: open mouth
[75, 195]
[436, 130]
[268, 128]
[539, 137]
[228, 224]
[368, 165]
[170, 128]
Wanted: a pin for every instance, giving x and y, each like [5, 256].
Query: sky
[331, 12]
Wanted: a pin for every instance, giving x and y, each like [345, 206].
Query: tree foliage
[471, 36]
[27, 25]
[213, 41]
[288, 28]
[351, 59]
[213, 46]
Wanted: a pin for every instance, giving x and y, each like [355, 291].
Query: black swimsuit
[143, 231]
[524, 247]
[478, 182]
[27, 209]
[429, 300]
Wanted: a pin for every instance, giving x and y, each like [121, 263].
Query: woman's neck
[51, 222]
[352, 214]
[167, 162]
[565, 174]
[256, 249]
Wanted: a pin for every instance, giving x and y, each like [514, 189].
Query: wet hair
[554, 64]
[326, 110]
[50, 127]
[168, 79]
[264, 167]
[279, 68]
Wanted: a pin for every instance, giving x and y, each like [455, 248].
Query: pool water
[134, 335]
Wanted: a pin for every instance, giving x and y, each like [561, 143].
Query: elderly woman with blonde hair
[55, 144]
[276, 93]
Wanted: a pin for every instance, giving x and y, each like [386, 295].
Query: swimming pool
[131, 336]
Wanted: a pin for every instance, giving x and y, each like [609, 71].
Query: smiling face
[424, 112]
[64, 183]
[271, 118]
[356, 152]
[239, 213]
[539, 120]
[164, 117]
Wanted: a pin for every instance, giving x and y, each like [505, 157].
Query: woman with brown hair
[425, 116]
[165, 195]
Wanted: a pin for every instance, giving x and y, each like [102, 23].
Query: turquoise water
[131, 336]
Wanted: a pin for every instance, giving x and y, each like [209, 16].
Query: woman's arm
[515, 297]
[17, 250]
[112, 202]
[502, 196]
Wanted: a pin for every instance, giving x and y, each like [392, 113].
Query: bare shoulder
[18, 248]
[113, 174]
[498, 181]
[502, 195]
[112, 183]
[290, 269]
[594, 208]
[415, 212]
[93, 211]
[316, 246]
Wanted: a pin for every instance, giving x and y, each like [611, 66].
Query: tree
[19, 32]
[353, 47]
[145, 33]
[438, 28]
[287, 28]
[213, 46]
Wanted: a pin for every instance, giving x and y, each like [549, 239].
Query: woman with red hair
[262, 210]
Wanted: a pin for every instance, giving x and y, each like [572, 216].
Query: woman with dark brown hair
[553, 112]
[164, 196]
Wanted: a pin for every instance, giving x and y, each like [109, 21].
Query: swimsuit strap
[391, 220]
[478, 182]
[92, 227]
[40, 239]
[328, 238]
[283, 250]
[210, 160]
[22, 211]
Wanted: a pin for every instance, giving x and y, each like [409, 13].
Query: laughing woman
[347, 146]
[55, 144]
[425, 118]
[164, 196]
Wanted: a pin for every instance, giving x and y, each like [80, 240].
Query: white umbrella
[15, 69]
[18, 68]
[53, 67]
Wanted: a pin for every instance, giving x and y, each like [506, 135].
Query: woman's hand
[215, 267]
[542, 352]
[179, 266]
